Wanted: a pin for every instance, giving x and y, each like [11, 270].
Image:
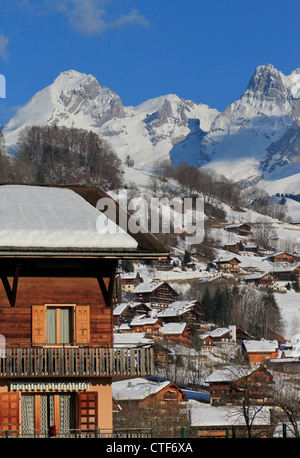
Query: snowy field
[289, 304]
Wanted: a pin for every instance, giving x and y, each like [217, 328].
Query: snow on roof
[128, 275]
[218, 332]
[147, 287]
[131, 340]
[119, 308]
[227, 259]
[176, 308]
[259, 346]
[172, 328]
[38, 216]
[136, 389]
[257, 275]
[230, 373]
[143, 320]
[208, 415]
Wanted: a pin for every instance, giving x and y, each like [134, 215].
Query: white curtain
[28, 416]
[51, 326]
[65, 319]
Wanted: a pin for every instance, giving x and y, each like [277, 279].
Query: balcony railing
[72, 361]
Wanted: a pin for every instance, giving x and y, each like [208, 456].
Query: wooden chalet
[57, 267]
[157, 294]
[233, 385]
[147, 324]
[228, 264]
[289, 274]
[283, 257]
[259, 351]
[160, 406]
[211, 422]
[122, 313]
[242, 229]
[179, 333]
[129, 280]
[261, 280]
[191, 311]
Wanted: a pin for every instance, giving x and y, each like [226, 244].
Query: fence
[24, 361]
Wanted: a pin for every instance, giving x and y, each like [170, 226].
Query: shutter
[39, 330]
[9, 411]
[88, 410]
[82, 324]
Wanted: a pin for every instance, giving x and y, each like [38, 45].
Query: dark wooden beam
[11, 293]
[107, 292]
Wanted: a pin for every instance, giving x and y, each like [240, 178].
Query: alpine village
[110, 329]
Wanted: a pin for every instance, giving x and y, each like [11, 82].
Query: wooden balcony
[75, 361]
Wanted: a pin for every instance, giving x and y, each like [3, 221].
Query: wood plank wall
[15, 322]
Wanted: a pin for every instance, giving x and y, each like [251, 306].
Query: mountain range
[255, 140]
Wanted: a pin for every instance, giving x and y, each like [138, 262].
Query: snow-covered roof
[131, 340]
[176, 308]
[119, 308]
[226, 259]
[143, 320]
[260, 346]
[145, 287]
[172, 328]
[208, 415]
[230, 373]
[136, 389]
[50, 217]
[128, 275]
[68, 219]
[257, 275]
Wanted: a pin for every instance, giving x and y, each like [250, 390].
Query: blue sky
[198, 49]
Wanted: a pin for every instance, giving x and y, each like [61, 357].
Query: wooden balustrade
[72, 361]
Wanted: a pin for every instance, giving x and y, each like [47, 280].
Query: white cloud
[90, 17]
[3, 46]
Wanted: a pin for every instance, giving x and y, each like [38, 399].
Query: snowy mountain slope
[253, 136]
[74, 99]
[146, 133]
[256, 139]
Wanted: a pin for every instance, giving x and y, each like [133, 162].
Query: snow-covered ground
[289, 304]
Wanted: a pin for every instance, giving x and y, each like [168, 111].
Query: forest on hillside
[60, 155]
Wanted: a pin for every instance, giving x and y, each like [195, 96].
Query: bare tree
[286, 397]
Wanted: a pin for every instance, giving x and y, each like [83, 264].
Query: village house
[242, 229]
[146, 324]
[191, 311]
[223, 422]
[179, 333]
[283, 257]
[146, 404]
[232, 385]
[129, 280]
[58, 265]
[288, 274]
[122, 313]
[157, 294]
[261, 280]
[228, 264]
[219, 336]
[258, 351]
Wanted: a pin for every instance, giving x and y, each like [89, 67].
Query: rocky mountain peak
[267, 83]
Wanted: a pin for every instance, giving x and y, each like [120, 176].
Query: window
[59, 325]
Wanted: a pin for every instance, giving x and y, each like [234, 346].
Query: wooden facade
[56, 317]
[157, 294]
[234, 388]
